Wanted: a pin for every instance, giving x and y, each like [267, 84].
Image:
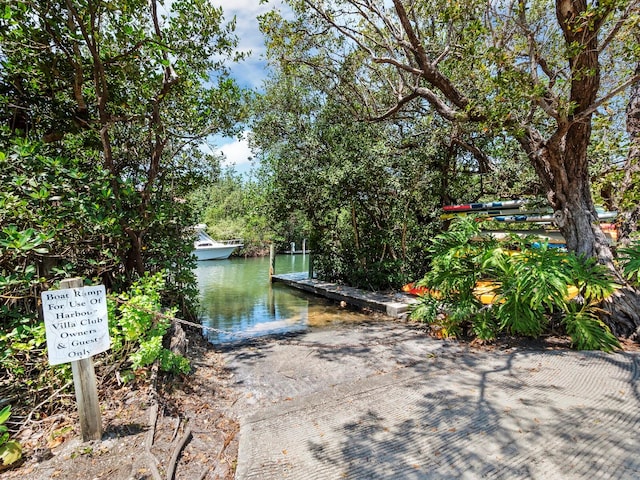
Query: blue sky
[249, 73]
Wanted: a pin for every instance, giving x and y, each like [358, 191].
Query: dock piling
[272, 261]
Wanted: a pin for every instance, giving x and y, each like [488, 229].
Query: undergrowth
[483, 288]
[10, 450]
[137, 326]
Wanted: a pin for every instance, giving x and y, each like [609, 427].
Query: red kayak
[483, 206]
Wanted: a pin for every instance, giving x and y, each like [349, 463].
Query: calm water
[237, 298]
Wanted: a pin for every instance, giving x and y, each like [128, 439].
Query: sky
[249, 73]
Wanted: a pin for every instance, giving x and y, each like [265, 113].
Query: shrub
[529, 286]
[137, 326]
[456, 267]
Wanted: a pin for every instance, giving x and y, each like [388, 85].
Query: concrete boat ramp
[383, 400]
[394, 305]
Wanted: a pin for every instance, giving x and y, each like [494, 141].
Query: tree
[368, 198]
[530, 69]
[233, 206]
[129, 85]
[370, 192]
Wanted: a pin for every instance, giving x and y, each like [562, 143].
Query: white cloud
[246, 13]
[236, 153]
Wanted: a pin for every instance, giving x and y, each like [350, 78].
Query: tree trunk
[134, 261]
[561, 163]
[625, 303]
[577, 220]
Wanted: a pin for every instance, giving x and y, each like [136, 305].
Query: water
[237, 298]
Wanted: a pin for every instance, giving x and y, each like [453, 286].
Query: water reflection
[237, 298]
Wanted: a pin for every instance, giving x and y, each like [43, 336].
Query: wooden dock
[394, 305]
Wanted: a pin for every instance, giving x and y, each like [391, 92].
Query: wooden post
[84, 381]
[272, 261]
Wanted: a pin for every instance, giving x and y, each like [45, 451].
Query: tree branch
[397, 107]
[595, 105]
[484, 162]
[430, 72]
[632, 7]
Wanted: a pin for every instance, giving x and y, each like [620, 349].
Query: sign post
[77, 328]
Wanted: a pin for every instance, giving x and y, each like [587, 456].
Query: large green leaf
[10, 452]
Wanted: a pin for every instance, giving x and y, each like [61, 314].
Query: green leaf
[630, 256]
[5, 413]
[6, 14]
[587, 331]
[10, 452]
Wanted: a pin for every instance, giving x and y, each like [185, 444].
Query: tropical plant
[10, 450]
[530, 283]
[528, 288]
[137, 325]
[594, 283]
[454, 270]
[630, 257]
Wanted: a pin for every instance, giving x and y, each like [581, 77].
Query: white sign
[76, 323]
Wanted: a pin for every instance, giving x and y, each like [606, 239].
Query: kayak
[524, 218]
[510, 210]
[487, 213]
[545, 218]
[484, 290]
[483, 206]
[413, 289]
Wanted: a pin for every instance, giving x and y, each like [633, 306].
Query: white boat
[206, 248]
